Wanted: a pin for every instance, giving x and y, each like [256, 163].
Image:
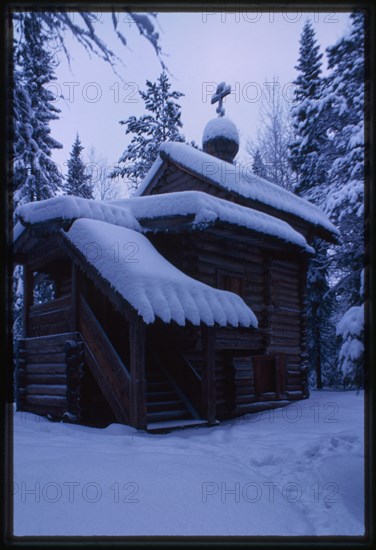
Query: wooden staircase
[162, 399]
[167, 406]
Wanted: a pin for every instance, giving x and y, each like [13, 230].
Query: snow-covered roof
[220, 127]
[237, 179]
[151, 284]
[207, 209]
[71, 208]
[131, 212]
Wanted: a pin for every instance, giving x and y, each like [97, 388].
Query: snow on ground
[291, 471]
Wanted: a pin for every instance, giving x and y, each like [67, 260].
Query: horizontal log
[243, 382]
[293, 373]
[285, 350]
[43, 410]
[287, 266]
[46, 389]
[58, 357]
[46, 379]
[46, 400]
[48, 329]
[293, 387]
[294, 394]
[244, 399]
[284, 342]
[46, 368]
[51, 306]
[43, 342]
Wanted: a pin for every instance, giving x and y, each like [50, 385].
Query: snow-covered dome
[221, 139]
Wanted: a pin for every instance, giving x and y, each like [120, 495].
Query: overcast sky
[202, 49]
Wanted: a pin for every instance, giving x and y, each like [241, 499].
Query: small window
[231, 282]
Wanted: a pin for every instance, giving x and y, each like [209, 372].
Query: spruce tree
[35, 174]
[344, 108]
[77, 181]
[150, 130]
[309, 130]
[309, 163]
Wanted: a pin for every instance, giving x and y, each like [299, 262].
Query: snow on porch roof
[207, 209]
[237, 179]
[151, 284]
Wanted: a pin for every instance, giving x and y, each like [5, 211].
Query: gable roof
[236, 179]
[202, 210]
[207, 209]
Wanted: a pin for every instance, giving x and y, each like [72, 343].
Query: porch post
[208, 374]
[74, 323]
[137, 338]
[28, 299]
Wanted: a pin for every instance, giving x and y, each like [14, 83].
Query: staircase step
[166, 406]
[167, 415]
[158, 384]
[166, 426]
[152, 396]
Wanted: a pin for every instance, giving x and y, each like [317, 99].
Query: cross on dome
[222, 90]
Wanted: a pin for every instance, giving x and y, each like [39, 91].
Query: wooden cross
[222, 90]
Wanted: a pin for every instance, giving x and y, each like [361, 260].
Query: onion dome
[221, 139]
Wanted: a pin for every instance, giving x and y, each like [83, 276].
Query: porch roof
[149, 283]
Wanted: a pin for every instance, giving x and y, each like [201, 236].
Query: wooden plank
[137, 335]
[74, 298]
[208, 382]
[28, 283]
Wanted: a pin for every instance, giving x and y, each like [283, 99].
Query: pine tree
[77, 181]
[150, 130]
[258, 166]
[309, 163]
[35, 174]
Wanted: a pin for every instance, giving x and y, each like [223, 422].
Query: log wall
[272, 285]
[42, 375]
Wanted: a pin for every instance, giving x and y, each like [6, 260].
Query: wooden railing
[108, 369]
